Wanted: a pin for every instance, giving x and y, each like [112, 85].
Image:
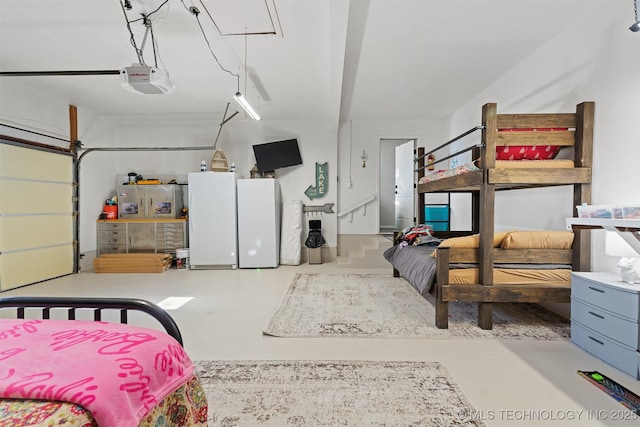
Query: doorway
[396, 194]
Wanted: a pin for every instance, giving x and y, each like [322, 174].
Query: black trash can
[315, 241]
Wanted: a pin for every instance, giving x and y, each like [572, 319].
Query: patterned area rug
[332, 393]
[378, 306]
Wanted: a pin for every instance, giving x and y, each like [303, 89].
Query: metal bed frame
[72, 304]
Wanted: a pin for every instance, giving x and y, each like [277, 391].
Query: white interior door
[404, 203]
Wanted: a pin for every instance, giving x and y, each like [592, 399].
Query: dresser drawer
[116, 226]
[111, 239]
[170, 226]
[168, 245]
[618, 355]
[111, 249]
[172, 234]
[606, 323]
[170, 238]
[115, 234]
[617, 299]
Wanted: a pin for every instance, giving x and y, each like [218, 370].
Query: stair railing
[355, 206]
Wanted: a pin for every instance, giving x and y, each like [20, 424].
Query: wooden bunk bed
[491, 175]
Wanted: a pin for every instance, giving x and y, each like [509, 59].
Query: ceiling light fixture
[238, 96]
[247, 107]
[636, 25]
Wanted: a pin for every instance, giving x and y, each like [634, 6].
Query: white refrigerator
[212, 220]
[259, 218]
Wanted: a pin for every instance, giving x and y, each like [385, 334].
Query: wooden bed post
[585, 113]
[442, 279]
[487, 210]
[475, 198]
[420, 164]
[396, 242]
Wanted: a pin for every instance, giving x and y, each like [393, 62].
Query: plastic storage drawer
[618, 355]
[618, 300]
[622, 330]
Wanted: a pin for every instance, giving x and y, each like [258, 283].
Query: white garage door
[36, 215]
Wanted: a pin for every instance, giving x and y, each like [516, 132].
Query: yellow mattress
[513, 276]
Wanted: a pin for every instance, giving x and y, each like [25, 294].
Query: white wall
[358, 135]
[595, 59]
[99, 169]
[28, 107]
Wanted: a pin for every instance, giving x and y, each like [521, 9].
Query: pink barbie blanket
[117, 372]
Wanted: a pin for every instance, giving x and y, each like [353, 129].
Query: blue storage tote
[436, 213]
[439, 226]
[437, 216]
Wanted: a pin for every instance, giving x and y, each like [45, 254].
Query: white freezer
[259, 217]
[212, 220]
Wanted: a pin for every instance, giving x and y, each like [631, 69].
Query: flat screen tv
[276, 155]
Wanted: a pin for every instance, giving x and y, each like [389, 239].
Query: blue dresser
[605, 319]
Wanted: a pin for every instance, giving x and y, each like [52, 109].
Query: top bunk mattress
[500, 164]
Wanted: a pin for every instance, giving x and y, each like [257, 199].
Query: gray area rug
[332, 393]
[380, 306]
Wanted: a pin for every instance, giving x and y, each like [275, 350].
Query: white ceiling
[329, 59]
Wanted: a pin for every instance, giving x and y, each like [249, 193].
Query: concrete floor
[510, 383]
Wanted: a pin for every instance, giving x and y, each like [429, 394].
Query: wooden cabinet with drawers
[141, 236]
[605, 319]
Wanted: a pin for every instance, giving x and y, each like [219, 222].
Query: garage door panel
[20, 268]
[29, 232]
[33, 164]
[36, 214]
[32, 197]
